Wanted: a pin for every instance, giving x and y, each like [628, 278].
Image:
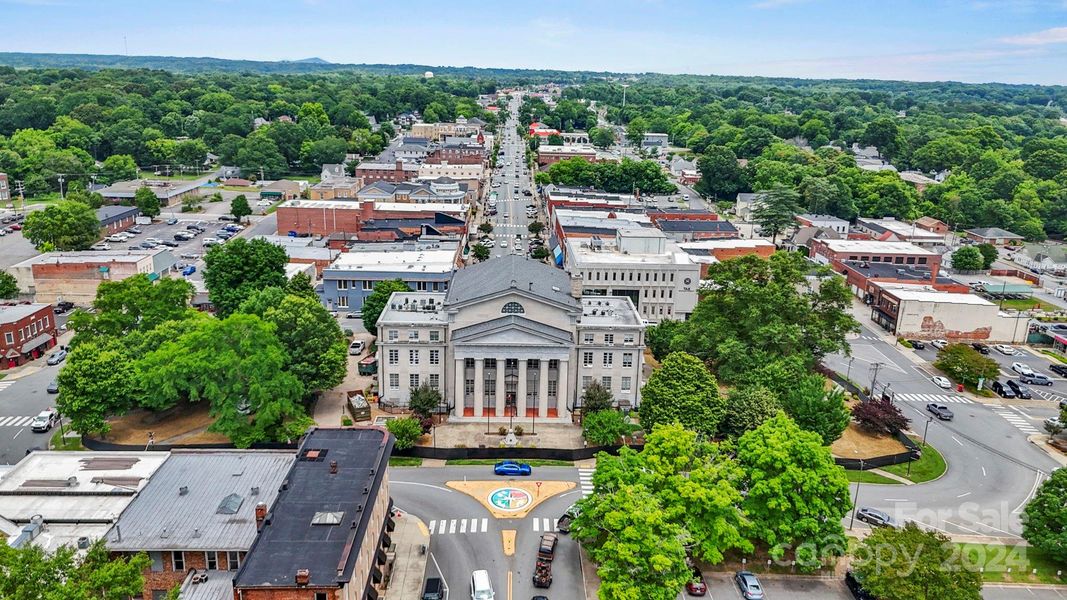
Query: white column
[479, 383]
[563, 391]
[520, 390]
[457, 391]
[542, 389]
[501, 364]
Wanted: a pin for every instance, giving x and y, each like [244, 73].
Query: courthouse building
[512, 337]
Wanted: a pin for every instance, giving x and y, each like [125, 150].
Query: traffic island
[510, 499]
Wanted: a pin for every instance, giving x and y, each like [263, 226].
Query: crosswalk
[1047, 394]
[936, 398]
[459, 526]
[871, 338]
[585, 481]
[6, 384]
[15, 421]
[544, 524]
[1018, 420]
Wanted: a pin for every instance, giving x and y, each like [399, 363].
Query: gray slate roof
[160, 518]
[511, 271]
[994, 232]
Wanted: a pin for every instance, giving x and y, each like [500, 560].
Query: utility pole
[61, 180]
[875, 367]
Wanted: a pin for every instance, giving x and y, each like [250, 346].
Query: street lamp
[855, 500]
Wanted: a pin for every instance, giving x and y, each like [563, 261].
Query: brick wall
[167, 578]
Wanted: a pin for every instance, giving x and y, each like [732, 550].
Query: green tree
[602, 137]
[967, 258]
[1045, 517]
[884, 133]
[658, 337]
[636, 130]
[424, 401]
[912, 564]
[236, 364]
[374, 304]
[814, 408]
[535, 227]
[795, 493]
[748, 407]
[776, 211]
[329, 150]
[315, 345]
[31, 573]
[237, 269]
[239, 208]
[132, 304]
[540, 253]
[119, 167]
[190, 153]
[596, 398]
[98, 381]
[486, 228]
[605, 427]
[146, 201]
[720, 174]
[259, 154]
[65, 225]
[480, 252]
[682, 391]
[9, 287]
[407, 432]
[966, 365]
[301, 285]
[989, 254]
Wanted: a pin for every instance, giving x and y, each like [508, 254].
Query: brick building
[117, 218]
[5, 189]
[328, 217]
[549, 155]
[327, 535]
[467, 153]
[396, 172]
[198, 516]
[863, 260]
[708, 252]
[74, 276]
[26, 332]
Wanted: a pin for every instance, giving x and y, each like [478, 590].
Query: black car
[1060, 370]
[917, 344]
[856, 587]
[434, 589]
[62, 307]
[982, 348]
[169, 244]
[1002, 390]
[875, 517]
[1019, 390]
[940, 411]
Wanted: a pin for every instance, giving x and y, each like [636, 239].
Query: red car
[15, 226]
[696, 586]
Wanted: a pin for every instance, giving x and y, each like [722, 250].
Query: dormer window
[512, 308]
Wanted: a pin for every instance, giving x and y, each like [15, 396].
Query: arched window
[512, 308]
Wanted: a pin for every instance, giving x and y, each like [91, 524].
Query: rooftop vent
[183, 490]
[327, 518]
[303, 576]
[230, 505]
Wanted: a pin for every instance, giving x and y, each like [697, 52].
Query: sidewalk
[411, 543]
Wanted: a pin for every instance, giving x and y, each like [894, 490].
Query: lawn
[996, 559]
[868, 477]
[490, 461]
[59, 442]
[929, 467]
[1026, 304]
[405, 461]
[1054, 355]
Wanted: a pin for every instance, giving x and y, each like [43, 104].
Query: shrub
[605, 427]
[346, 421]
[502, 430]
[407, 432]
[879, 416]
[519, 430]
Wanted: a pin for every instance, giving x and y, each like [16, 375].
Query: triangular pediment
[511, 330]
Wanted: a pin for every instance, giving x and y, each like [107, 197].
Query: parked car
[16, 227]
[875, 517]
[357, 347]
[195, 227]
[53, 387]
[1004, 349]
[981, 348]
[1060, 370]
[45, 420]
[749, 586]
[1019, 390]
[169, 244]
[57, 357]
[941, 382]
[512, 468]
[1002, 390]
[135, 230]
[1053, 423]
[188, 270]
[856, 587]
[940, 411]
[62, 307]
[1036, 379]
[939, 344]
[208, 242]
[1022, 368]
[917, 344]
[172, 221]
[147, 245]
[228, 218]
[234, 227]
[190, 255]
[117, 237]
[100, 246]
[222, 234]
[696, 586]
[434, 589]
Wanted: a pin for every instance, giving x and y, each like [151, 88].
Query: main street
[20, 400]
[509, 180]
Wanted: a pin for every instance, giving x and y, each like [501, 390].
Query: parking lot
[721, 586]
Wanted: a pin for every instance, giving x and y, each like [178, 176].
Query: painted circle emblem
[688, 281]
[510, 499]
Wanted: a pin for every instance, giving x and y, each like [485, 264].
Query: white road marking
[983, 471]
[452, 526]
[463, 525]
[485, 525]
[935, 398]
[433, 525]
[957, 441]
[436, 487]
[1037, 482]
[964, 494]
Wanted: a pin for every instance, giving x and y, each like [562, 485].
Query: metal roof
[510, 272]
[216, 510]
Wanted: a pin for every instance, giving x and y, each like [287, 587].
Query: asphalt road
[20, 400]
[510, 233]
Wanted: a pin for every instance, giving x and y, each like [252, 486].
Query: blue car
[187, 271]
[512, 468]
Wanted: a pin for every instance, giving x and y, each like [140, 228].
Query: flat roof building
[348, 281]
[922, 312]
[74, 276]
[890, 229]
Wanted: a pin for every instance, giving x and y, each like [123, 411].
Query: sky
[1012, 41]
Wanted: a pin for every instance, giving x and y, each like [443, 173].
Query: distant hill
[313, 60]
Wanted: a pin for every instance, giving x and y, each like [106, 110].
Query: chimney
[576, 287]
[261, 514]
[333, 467]
[303, 576]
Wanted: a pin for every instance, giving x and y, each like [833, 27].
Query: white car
[100, 246]
[264, 203]
[939, 344]
[1022, 369]
[942, 382]
[1004, 349]
[503, 243]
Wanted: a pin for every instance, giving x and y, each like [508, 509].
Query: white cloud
[1055, 35]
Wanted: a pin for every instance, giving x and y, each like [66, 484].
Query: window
[394, 335]
[435, 357]
[587, 359]
[435, 381]
[178, 560]
[468, 363]
[46, 322]
[468, 387]
[9, 338]
[490, 363]
[368, 285]
[553, 386]
[321, 596]
[342, 302]
[435, 336]
[394, 381]
[211, 559]
[587, 338]
[394, 357]
[922, 260]
[413, 335]
[512, 308]
[627, 359]
[606, 382]
[342, 284]
[626, 384]
[609, 339]
[628, 338]
[609, 358]
[413, 357]
[233, 561]
[586, 381]
[421, 286]
[413, 380]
